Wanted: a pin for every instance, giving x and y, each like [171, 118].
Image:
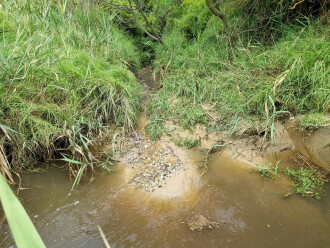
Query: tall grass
[240, 78]
[65, 75]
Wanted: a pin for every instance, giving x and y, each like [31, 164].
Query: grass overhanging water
[65, 78]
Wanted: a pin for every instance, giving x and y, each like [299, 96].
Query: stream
[252, 210]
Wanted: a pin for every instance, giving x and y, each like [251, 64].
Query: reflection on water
[253, 208]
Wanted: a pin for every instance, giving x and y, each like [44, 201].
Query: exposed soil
[312, 144]
[245, 148]
[164, 169]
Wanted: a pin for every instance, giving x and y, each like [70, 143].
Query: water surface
[253, 208]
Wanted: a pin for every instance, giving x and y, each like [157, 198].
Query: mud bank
[165, 169]
[313, 145]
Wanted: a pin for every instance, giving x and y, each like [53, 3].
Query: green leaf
[24, 232]
[73, 161]
[271, 101]
[8, 128]
[78, 177]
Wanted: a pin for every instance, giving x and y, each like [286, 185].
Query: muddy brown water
[253, 208]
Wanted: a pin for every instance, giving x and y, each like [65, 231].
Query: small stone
[92, 213]
[199, 222]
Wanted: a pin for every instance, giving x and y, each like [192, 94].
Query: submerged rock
[199, 222]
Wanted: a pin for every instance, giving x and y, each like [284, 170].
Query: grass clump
[188, 142]
[269, 171]
[65, 78]
[156, 129]
[314, 121]
[306, 182]
[243, 81]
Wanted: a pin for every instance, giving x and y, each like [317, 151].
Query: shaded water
[253, 208]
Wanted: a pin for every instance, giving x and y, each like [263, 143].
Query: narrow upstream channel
[251, 211]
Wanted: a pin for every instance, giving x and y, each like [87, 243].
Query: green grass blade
[23, 230]
[73, 161]
[8, 128]
[78, 177]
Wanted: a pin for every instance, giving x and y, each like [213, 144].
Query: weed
[269, 125]
[306, 182]
[269, 171]
[21, 226]
[191, 142]
[314, 121]
[158, 109]
[156, 129]
[188, 142]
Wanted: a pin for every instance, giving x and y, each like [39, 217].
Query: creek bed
[253, 209]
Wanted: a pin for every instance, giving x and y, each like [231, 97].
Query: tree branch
[148, 23]
[213, 8]
[133, 9]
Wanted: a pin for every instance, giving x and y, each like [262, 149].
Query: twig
[104, 238]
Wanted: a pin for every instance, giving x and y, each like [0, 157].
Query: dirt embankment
[313, 144]
[167, 170]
